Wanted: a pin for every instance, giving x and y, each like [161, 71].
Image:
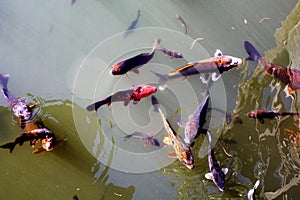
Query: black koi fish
[217, 175]
[41, 134]
[135, 62]
[266, 114]
[290, 77]
[132, 25]
[135, 94]
[182, 152]
[216, 65]
[149, 139]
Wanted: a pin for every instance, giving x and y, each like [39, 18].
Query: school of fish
[210, 70]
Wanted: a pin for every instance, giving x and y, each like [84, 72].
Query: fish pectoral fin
[218, 53]
[172, 154]
[126, 103]
[136, 71]
[288, 90]
[204, 78]
[167, 141]
[209, 176]
[225, 170]
[136, 102]
[39, 150]
[181, 123]
[215, 76]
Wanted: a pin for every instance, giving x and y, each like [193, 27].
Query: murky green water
[47, 48]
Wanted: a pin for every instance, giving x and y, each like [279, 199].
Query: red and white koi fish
[135, 94]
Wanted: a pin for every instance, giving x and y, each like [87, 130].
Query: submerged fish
[290, 77]
[171, 53]
[229, 116]
[182, 23]
[132, 25]
[21, 110]
[149, 139]
[216, 65]
[252, 191]
[182, 152]
[217, 175]
[135, 62]
[135, 94]
[196, 121]
[262, 114]
[41, 134]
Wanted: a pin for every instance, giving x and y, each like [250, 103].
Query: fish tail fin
[156, 44]
[155, 103]
[163, 78]
[98, 104]
[252, 52]
[10, 146]
[4, 80]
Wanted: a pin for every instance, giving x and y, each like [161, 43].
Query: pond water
[58, 55]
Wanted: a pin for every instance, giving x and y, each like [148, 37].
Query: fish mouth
[190, 166]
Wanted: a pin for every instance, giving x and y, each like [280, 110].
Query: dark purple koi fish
[135, 62]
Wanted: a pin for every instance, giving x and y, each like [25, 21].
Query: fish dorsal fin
[209, 176]
[218, 53]
[225, 170]
[181, 123]
[137, 71]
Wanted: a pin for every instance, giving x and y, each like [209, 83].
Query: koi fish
[132, 25]
[135, 94]
[290, 77]
[21, 110]
[182, 152]
[135, 62]
[262, 114]
[182, 23]
[149, 139]
[252, 191]
[216, 65]
[217, 175]
[41, 134]
[172, 54]
[196, 121]
[295, 136]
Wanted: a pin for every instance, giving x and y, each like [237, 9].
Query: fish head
[178, 55]
[228, 62]
[117, 69]
[48, 143]
[144, 91]
[21, 110]
[187, 158]
[252, 114]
